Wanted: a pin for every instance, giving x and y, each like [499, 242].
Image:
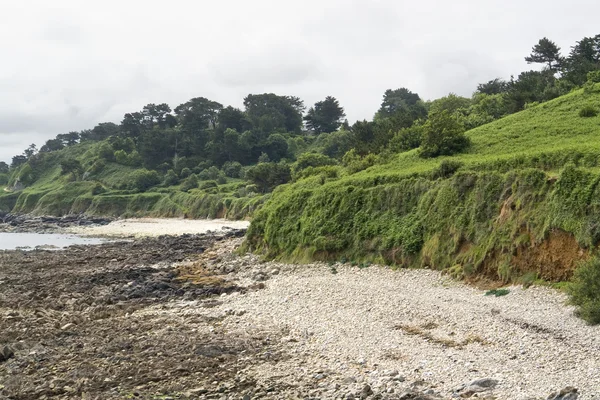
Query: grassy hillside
[107, 192]
[522, 203]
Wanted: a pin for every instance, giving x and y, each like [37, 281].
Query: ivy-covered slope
[523, 202]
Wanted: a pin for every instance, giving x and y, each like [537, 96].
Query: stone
[366, 392]
[477, 386]
[568, 393]
[6, 353]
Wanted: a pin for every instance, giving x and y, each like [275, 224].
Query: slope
[522, 203]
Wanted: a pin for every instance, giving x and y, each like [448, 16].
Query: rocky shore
[179, 317]
[46, 224]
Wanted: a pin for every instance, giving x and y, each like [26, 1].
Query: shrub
[70, 165]
[443, 135]
[185, 172]
[97, 166]
[121, 157]
[106, 152]
[588, 111]
[584, 290]
[143, 180]
[232, 169]
[210, 174]
[191, 182]
[354, 162]
[446, 169]
[312, 160]
[208, 185]
[171, 178]
[266, 176]
[407, 139]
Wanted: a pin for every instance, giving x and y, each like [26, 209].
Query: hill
[112, 189]
[521, 204]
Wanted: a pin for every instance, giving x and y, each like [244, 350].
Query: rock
[366, 392]
[412, 395]
[260, 277]
[275, 271]
[568, 393]
[477, 386]
[6, 353]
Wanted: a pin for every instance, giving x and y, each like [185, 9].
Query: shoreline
[194, 319]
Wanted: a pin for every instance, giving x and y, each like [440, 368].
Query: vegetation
[585, 291]
[469, 185]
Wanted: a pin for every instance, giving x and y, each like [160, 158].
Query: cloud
[68, 65]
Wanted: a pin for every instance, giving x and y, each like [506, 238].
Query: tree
[443, 135]
[546, 52]
[68, 139]
[269, 112]
[197, 117]
[3, 167]
[452, 103]
[531, 86]
[232, 118]
[153, 114]
[52, 145]
[101, 131]
[495, 86]
[583, 58]
[401, 107]
[71, 165]
[277, 147]
[30, 151]
[325, 116]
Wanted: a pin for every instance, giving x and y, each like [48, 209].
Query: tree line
[201, 134]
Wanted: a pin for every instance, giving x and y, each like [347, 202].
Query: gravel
[396, 330]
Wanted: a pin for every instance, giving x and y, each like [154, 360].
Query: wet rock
[568, 393]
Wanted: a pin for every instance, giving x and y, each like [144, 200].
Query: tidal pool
[52, 241]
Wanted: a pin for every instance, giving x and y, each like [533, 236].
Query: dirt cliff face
[554, 259]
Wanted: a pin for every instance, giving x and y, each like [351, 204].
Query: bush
[171, 178]
[354, 162]
[97, 166]
[191, 182]
[232, 169]
[208, 185]
[588, 111]
[443, 135]
[312, 160]
[211, 174]
[446, 169]
[143, 180]
[266, 176]
[185, 172]
[407, 139]
[584, 290]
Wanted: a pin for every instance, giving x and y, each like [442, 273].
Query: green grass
[524, 176]
[105, 193]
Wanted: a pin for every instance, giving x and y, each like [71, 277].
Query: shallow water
[29, 241]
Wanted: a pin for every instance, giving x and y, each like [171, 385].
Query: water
[29, 241]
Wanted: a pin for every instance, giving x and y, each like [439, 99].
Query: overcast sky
[68, 65]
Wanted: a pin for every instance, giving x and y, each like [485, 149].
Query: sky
[68, 65]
